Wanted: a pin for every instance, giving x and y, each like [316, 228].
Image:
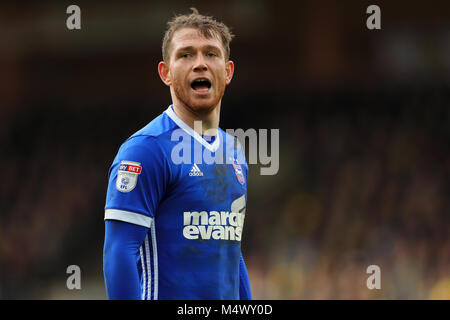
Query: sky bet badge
[127, 175]
[239, 173]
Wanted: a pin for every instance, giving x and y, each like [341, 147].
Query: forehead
[191, 37]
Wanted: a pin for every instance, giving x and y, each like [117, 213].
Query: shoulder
[232, 142]
[143, 152]
[150, 137]
[229, 139]
[156, 128]
[148, 142]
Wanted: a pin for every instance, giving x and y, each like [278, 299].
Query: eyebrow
[190, 48]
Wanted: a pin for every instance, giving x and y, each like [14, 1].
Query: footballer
[173, 229]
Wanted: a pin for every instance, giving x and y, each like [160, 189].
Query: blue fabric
[120, 256]
[194, 213]
[244, 283]
[150, 184]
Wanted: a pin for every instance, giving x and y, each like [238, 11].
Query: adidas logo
[195, 171]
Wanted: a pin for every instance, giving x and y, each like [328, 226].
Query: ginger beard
[198, 80]
[200, 103]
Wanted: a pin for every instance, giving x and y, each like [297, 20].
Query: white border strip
[149, 271]
[143, 273]
[155, 261]
[211, 147]
[128, 216]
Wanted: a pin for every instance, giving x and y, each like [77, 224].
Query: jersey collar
[210, 146]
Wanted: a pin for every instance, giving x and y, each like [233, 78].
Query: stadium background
[364, 119]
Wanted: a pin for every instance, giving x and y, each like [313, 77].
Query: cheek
[177, 80]
[222, 80]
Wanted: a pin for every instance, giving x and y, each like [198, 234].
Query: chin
[203, 105]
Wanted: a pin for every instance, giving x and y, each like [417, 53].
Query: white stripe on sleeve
[128, 216]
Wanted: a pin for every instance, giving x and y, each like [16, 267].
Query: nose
[200, 64]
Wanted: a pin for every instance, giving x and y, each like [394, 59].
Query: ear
[229, 69]
[163, 70]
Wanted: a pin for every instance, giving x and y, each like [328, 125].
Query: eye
[211, 54]
[185, 55]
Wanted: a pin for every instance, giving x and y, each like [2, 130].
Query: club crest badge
[239, 173]
[127, 175]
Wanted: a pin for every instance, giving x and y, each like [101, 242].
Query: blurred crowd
[367, 185]
[362, 182]
[364, 120]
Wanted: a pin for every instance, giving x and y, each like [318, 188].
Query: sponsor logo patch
[127, 175]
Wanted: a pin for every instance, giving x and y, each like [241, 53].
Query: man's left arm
[244, 282]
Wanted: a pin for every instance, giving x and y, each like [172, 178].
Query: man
[175, 209]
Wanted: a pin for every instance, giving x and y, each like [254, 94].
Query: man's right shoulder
[157, 127]
[150, 136]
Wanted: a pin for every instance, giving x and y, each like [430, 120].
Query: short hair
[207, 25]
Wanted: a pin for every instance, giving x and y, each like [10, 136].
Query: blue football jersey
[190, 191]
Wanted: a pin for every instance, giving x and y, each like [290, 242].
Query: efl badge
[127, 175]
[239, 173]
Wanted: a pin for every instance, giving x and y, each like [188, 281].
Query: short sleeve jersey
[190, 191]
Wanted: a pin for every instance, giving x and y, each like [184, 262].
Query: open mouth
[201, 85]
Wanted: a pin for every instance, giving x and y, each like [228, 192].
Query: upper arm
[137, 182]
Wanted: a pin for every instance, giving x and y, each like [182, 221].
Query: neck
[209, 119]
